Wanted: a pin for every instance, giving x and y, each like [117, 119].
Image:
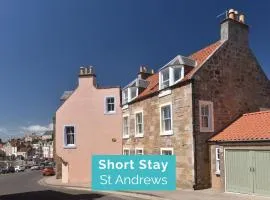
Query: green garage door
[247, 171]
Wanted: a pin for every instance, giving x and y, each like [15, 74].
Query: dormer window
[129, 94]
[133, 92]
[171, 75]
[125, 96]
[174, 71]
[165, 78]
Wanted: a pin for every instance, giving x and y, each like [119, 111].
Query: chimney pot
[144, 69]
[242, 18]
[141, 68]
[152, 71]
[231, 14]
[81, 70]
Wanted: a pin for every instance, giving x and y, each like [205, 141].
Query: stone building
[177, 109]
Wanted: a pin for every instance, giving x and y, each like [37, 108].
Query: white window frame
[70, 146]
[129, 92]
[170, 132]
[126, 149]
[136, 133]
[161, 82]
[139, 149]
[125, 136]
[217, 151]
[125, 96]
[166, 149]
[182, 74]
[210, 118]
[105, 105]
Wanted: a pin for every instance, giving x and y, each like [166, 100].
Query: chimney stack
[87, 71]
[144, 72]
[234, 29]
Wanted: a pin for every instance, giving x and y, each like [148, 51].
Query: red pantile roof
[249, 127]
[200, 57]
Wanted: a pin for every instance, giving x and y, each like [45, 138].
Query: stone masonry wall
[182, 138]
[234, 81]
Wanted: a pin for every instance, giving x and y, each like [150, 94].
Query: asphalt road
[24, 185]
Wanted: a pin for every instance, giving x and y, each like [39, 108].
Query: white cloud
[36, 128]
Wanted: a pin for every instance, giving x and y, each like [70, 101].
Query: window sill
[70, 147]
[139, 135]
[206, 130]
[125, 136]
[166, 133]
[217, 173]
[110, 113]
[164, 93]
[125, 107]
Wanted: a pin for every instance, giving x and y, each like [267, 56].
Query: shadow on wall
[49, 194]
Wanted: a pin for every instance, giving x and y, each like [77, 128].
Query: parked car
[1, 169]
[19, 168]
[48, 171]
[4, 170]
[35, 167]
[10, 169]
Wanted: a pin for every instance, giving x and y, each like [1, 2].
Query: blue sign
[133, 172]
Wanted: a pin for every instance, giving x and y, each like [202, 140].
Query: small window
[218, 160]
[139, 151]
[139, 124]
[125, 127]
[133, 92]
[178, 73]
[125, 96]
[165, 78]
[126, 151]
[166, 151]
[110, 105]
[69, 134]
[166, 120]
[206, 116]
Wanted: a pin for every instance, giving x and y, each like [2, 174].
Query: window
[218, 160]
[126, 151]
[166, 120]
[69, 134]
[109, 105]
[166, 151]
[178, 73]
[125, 96]
[206, 116]
[139, 124]
[139, 151]
[165, 78]
[133, 92]
[125, 127]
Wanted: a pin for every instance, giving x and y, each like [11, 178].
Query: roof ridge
[256, 113]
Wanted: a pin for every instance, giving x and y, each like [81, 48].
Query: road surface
[23, 185]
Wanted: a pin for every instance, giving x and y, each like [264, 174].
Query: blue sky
[43, 44]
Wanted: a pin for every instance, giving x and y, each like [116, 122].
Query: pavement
[24, 186]
[178, 194]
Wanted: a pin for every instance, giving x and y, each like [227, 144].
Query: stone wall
[182, 138]
[234, 81]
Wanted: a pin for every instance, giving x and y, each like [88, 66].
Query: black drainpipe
[194, 135]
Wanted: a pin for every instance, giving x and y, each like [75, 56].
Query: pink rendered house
[87, 123]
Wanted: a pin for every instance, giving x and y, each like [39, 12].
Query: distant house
[88, 122]
[10, 149]
[28, 138]
[48, 135]
[22, 151]
[47, 149]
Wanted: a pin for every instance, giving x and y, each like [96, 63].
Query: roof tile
[249, 127]
[200, 57]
